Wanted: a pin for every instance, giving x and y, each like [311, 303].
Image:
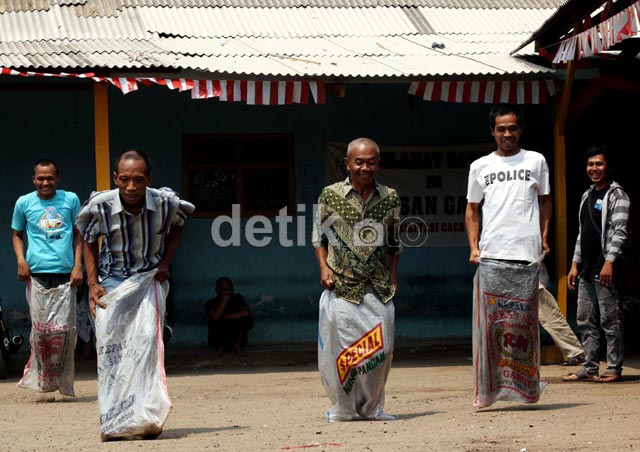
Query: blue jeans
[599, 308]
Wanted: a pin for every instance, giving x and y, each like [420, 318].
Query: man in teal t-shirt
[53, 245]
[51, 265]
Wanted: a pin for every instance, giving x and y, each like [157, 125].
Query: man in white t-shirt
[508, 200]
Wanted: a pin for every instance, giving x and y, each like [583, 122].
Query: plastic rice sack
[133, 399]
[506, 339]
[355, 350]
[52, 339]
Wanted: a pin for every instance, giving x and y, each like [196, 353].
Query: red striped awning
[248, 91]
[485, 92]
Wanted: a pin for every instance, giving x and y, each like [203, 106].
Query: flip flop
[580, 375]
[609, 378]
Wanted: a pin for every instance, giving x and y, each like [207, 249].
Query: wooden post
[552, 354]
[101, 126]
[560, 178]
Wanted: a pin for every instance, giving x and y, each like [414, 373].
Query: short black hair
[133, 154]
[45, 162]
[597, 150]
[223, 279]
[505, 109]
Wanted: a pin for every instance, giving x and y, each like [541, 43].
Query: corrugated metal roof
[396, 57]
[38, 5]
[383, 21]
[486, 4]
[63, 23]
[334, 46]
[275, 22]
[469, 21]
[287, 41]
[359, 67]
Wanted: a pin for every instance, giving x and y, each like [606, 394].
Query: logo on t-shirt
[51, 223]
[508, 176]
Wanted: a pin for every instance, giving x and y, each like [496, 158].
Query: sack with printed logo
[355, 350]
[51, 364]
[506, 338]
[133, 399]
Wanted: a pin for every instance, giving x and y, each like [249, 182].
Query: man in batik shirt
[357, 246]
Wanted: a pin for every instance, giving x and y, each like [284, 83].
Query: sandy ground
[272, 400]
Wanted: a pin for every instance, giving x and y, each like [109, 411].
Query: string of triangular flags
[259, 92]
[592, 40]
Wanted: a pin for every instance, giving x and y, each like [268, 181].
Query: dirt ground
[272, 400]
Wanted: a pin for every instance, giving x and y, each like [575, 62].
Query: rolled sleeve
[87, 224]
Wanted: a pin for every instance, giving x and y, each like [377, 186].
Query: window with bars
[254, 171]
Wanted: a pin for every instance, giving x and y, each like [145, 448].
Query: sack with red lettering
[133, 400]
[355, 350]
[506, 340]
[51, 364]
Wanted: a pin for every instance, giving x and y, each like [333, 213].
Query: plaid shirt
[131, 242]
[345, 224]
[615, 219]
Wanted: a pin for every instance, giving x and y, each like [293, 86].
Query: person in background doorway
[229, 319]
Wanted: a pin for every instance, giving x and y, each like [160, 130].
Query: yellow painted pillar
[101, 126]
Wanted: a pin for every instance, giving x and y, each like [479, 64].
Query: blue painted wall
[280, 284]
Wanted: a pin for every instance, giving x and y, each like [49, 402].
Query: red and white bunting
[485, 92]
[260, 92]
[625, 24]
[251, 92]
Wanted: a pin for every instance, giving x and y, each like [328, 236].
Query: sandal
[580, 375]
[609, 378]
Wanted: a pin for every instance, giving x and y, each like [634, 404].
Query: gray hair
[362, 142]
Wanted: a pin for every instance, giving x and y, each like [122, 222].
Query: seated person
[229, 319]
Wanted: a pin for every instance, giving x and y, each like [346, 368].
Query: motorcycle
[9, 344]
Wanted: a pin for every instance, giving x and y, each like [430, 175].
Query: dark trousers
[51, 280]
[225, 332]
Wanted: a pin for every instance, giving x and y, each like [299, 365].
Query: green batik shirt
[358, 237]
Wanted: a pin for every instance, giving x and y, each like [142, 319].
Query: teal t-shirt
[49, 229]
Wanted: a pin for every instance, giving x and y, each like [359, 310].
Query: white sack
[355, 350]
[52, 338]
[132, 388]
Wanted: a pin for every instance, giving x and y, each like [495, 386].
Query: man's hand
[474, 256]
[326, 277]
[76, 278]
[163, 272]
[24, 271]
[572, 276]
[606, 274]
[96, 291]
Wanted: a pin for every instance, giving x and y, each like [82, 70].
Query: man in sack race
[140, 228]
[513, 185]
[357, 247]
[52, 268]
